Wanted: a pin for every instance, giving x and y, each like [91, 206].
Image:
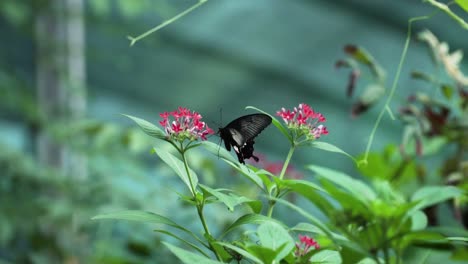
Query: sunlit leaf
[179, 168]
[188, 257]
[463, 4]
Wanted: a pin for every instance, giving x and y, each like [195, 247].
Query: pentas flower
[183, 124]
[304, 121]
[306, 243]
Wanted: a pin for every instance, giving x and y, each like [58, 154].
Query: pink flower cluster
[302, 117]
[185, 125]
[306, 244]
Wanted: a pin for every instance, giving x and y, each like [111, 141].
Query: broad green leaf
[331, 148]
[218, 151]
[188, 257]
[309, 190]
[249, 219]
[418, 220]
[423, 238]
[148, 128]
[310, 217]
[274, 237]
[266, 255]
[431, 195]
[463, 4]
[276, 123]
[179, 168]
[356, 187]
[241, 251]
[327, 257]
[230, 200]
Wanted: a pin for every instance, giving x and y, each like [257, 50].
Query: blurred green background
[67, 73]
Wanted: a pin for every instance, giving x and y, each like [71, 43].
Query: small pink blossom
[304, 120]
[306, 243]
[184, 124]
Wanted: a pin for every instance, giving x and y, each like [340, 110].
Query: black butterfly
[240, 134]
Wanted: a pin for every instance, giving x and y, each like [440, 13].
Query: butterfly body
[240, 134]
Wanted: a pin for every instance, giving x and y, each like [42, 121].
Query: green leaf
[431, 195]
[188, 257]
[447, 90]
[423, 238]
[244, 170]
[230, 200]
[310, 217]
[266, 255]
[306, 227]
[418, 220]
[331, 148]
[179, 168]
[463, 4]
[249, 219]
[326, 257]
[141, 216]
[184, 241]
[276, 123]
[309, 191]
[148, 128]
[241, 251]
[218, 151]
[274, 237]
[357, 188]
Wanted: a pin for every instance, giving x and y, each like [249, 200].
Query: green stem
[199, 203]
[286, 162]
[283, 172]
[446, 9]
[133, 40]
[394, 85]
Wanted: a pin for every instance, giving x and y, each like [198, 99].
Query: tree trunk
[60, 80]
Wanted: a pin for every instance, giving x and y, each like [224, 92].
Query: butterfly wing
[247, 127]
[240, 134]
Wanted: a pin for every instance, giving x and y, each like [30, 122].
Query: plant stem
[286, 162]
[283, 172]
[133, 40]
[199, 204]
[394, 85]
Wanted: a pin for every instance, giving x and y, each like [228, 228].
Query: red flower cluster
[304, 117]
[186, 125]
[306, 243]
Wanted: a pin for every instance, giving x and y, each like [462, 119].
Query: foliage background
[223, 56]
